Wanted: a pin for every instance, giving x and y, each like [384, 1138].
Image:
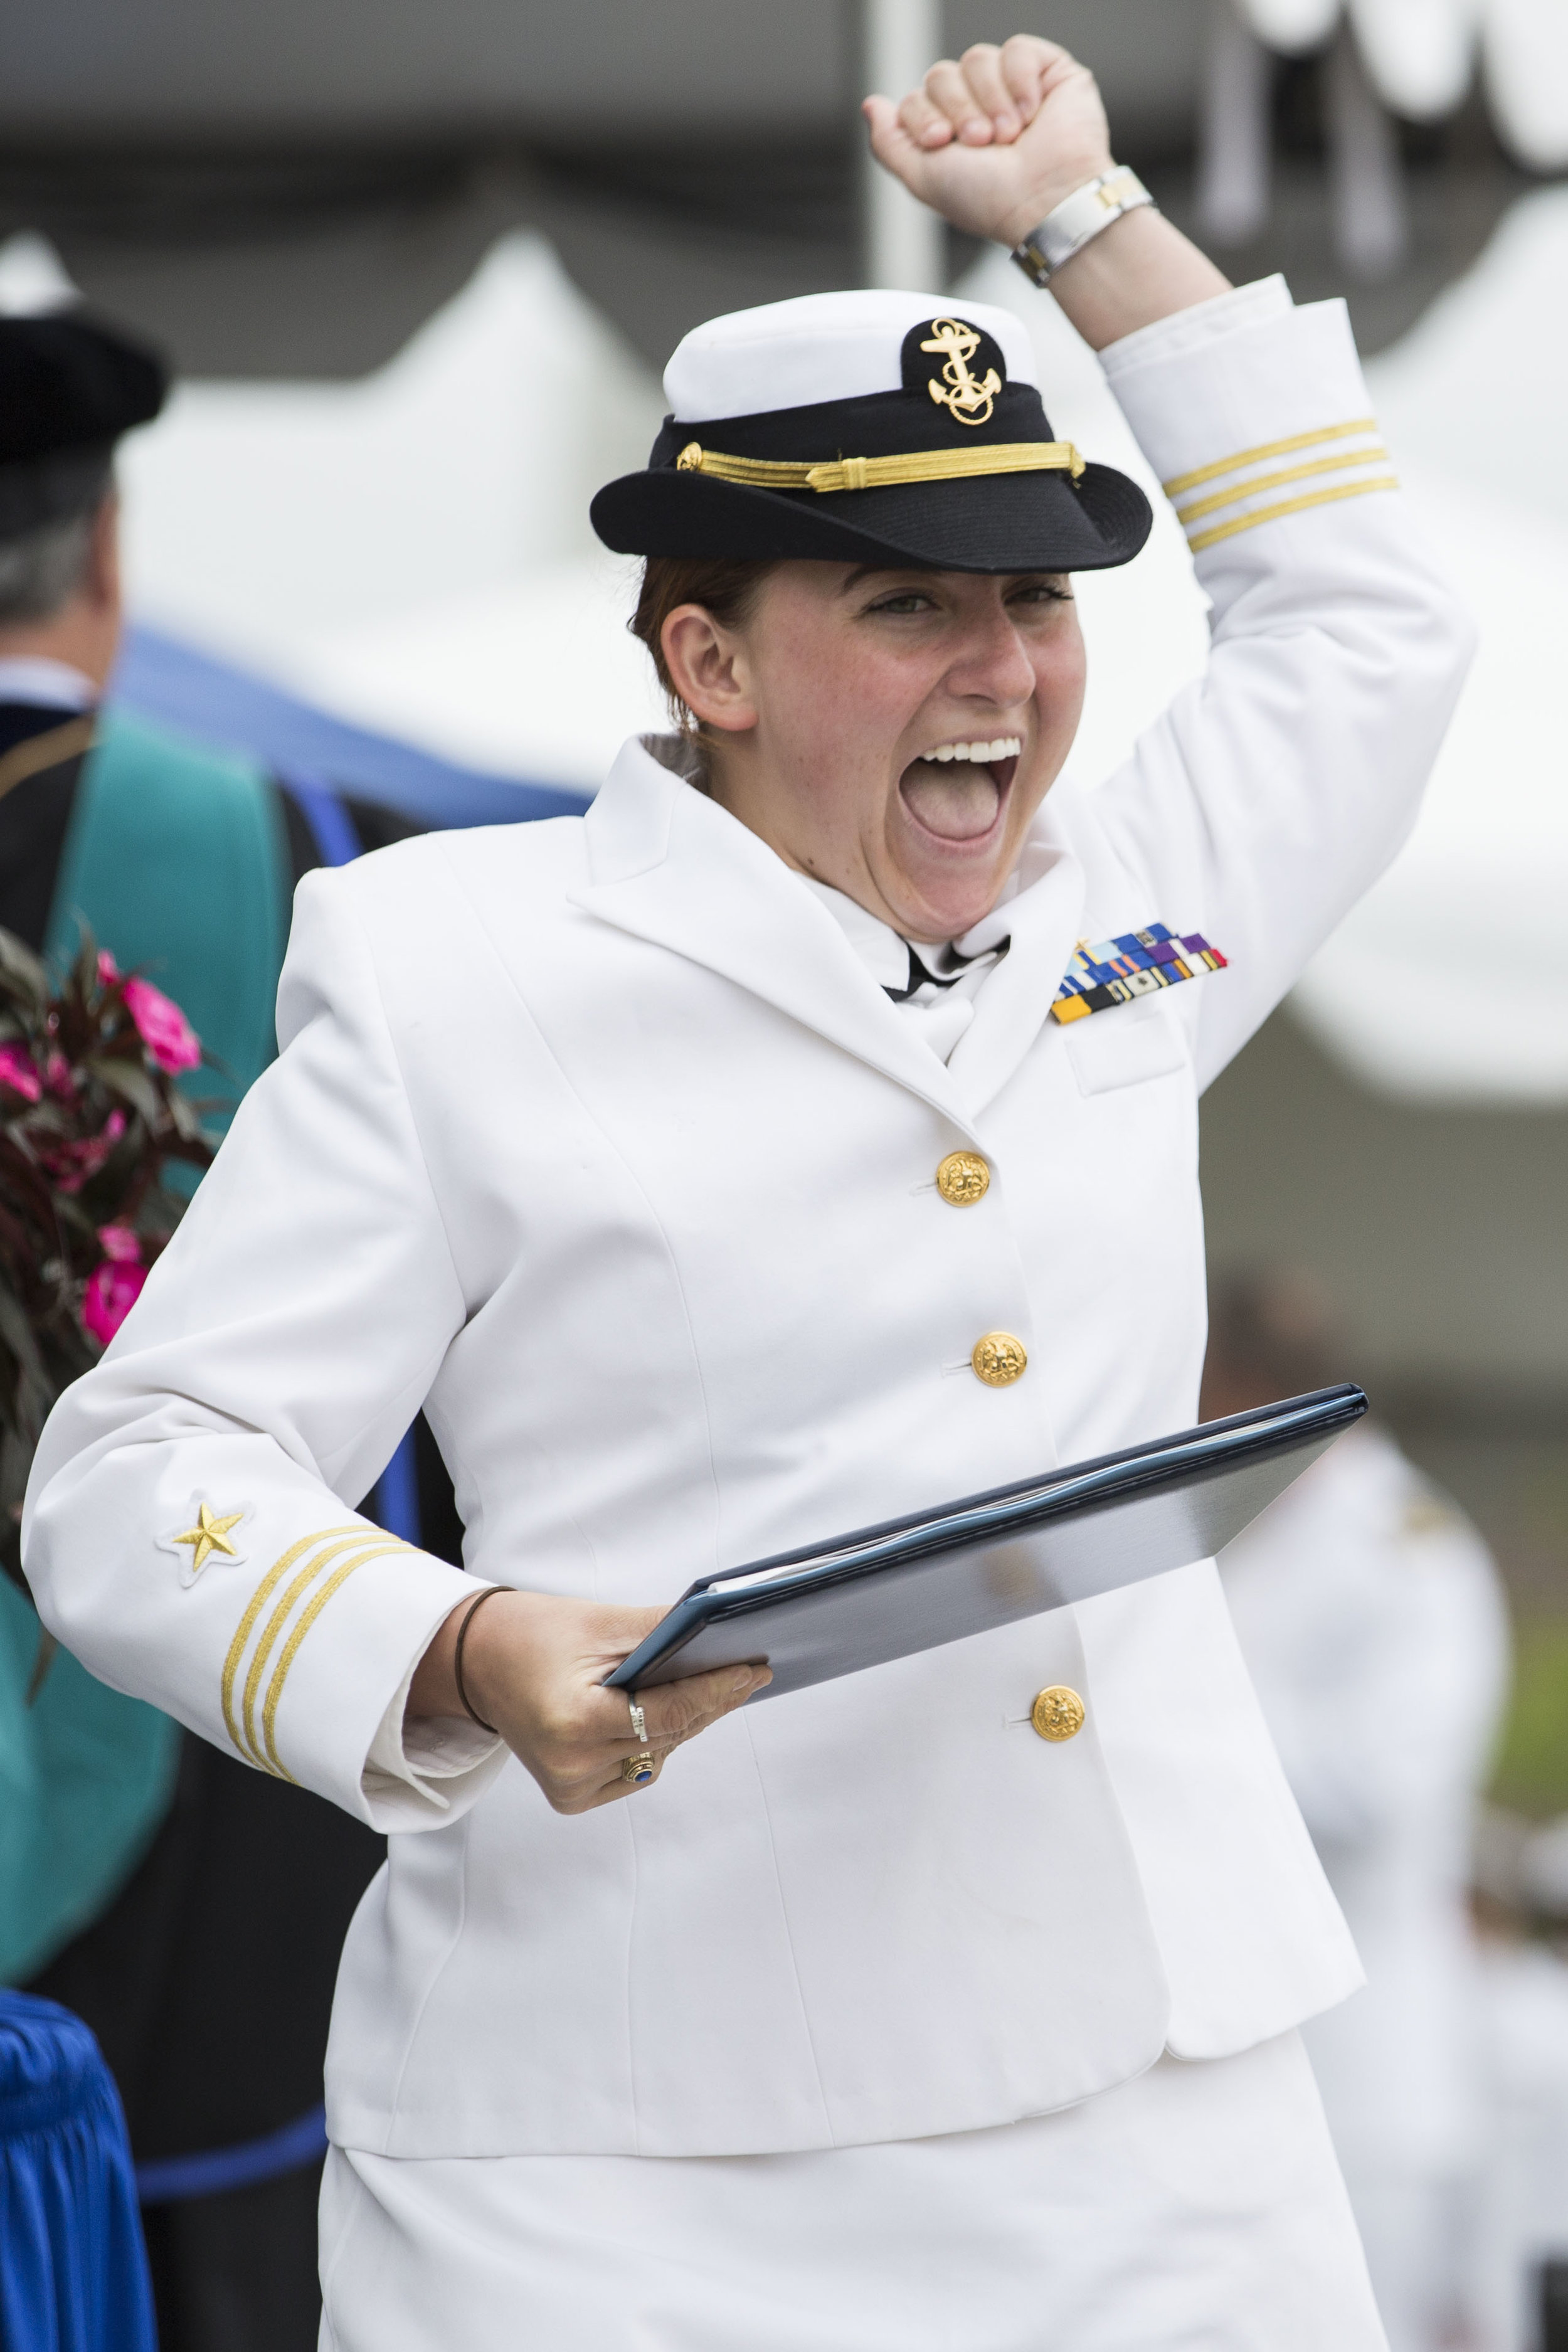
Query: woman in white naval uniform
[875, 2020]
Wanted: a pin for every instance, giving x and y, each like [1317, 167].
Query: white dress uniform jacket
[598, 1137]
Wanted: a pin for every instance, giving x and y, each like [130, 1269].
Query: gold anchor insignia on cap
[968, 399]
[210, 1534]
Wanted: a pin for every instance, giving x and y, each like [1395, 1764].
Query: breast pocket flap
[1123, 1046]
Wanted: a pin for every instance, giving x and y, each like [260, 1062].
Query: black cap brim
[993, 522]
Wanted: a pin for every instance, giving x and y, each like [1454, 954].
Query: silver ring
[640, 1725]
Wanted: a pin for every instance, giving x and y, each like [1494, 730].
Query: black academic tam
[966, 477]
[70, 384]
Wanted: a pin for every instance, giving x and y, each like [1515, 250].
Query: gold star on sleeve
[209, 1535]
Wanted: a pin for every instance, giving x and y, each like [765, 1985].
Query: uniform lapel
[669, 865]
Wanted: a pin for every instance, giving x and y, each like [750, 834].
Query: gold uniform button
[963, 1178]
[1057, 1712]
[999, 1359]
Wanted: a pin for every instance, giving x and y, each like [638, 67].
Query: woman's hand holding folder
[533, 1667]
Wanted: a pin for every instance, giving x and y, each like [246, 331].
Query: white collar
[878, 946]
[47, 684]
[943, 1007]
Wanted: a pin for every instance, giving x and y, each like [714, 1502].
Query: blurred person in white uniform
[1520, 2263]
[1371, 1618]
[806, 1135]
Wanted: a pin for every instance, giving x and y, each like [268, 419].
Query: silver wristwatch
[1077, 219]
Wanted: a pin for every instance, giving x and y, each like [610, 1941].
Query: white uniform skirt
[1199, 2208]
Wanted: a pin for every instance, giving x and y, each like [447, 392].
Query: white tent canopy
[1450, 979]
[412, 550]
[1421, 55]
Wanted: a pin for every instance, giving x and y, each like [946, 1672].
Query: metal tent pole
[1235, 134]
[903, 242]
[1366, 178]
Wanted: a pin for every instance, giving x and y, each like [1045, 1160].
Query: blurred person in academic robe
[191, 1910]
[1371, 1618]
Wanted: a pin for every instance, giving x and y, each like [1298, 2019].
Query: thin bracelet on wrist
[1068, 227]
[469, 1709]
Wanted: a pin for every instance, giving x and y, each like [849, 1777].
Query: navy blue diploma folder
[913, 1584]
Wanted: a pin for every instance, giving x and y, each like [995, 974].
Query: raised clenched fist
[997, 138]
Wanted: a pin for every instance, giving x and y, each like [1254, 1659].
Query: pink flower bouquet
[90, 1113]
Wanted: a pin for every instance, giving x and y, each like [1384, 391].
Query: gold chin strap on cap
[881, 473]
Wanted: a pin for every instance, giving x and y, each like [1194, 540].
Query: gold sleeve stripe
[1181, 482]
[1376, 455]
[280, 1617]
[1288, 507]
[259, 1600]
[322, 1552]
[291, 1648]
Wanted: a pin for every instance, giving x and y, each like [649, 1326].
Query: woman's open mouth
[956, 790]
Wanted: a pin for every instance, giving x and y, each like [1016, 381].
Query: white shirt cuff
[406, 1759]
[1193, 329]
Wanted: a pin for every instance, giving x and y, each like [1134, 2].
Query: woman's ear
[708, 668]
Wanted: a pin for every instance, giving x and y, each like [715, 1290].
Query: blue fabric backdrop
[73, 2270]
[175, 686]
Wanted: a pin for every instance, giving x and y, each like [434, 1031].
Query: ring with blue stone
[639, 1770]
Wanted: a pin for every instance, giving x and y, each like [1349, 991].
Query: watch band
[1070, 224]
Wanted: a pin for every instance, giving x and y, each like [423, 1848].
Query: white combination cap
[818, 347]
[869, 427]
